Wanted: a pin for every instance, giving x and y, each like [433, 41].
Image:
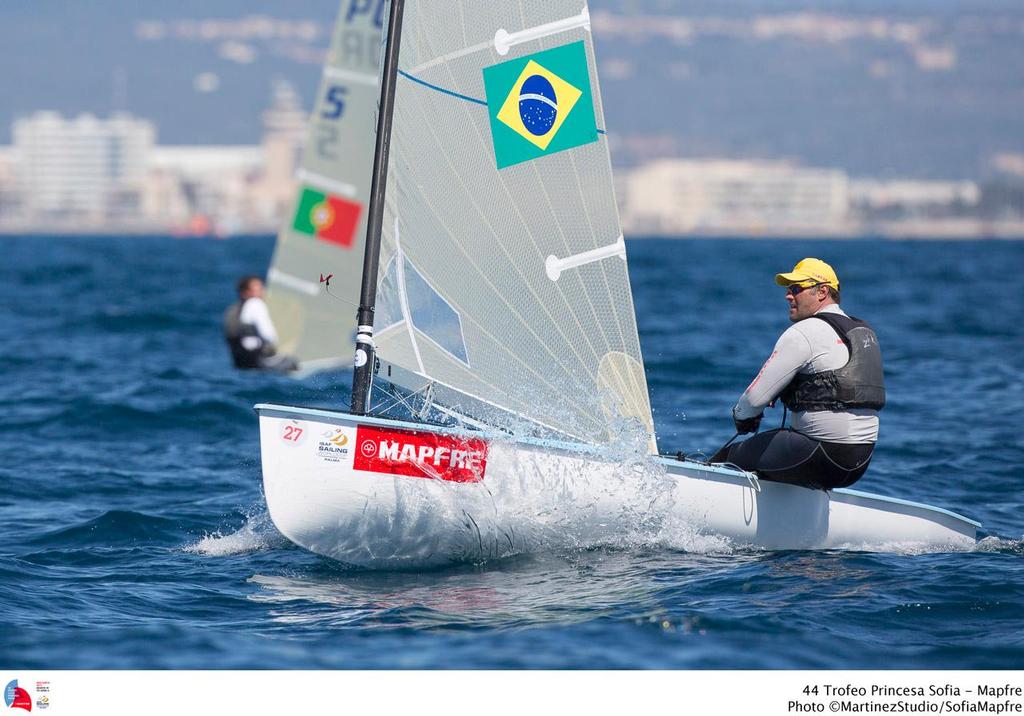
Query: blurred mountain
[919, 88]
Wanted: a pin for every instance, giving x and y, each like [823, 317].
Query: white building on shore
[879, 194]
[685, 196]
[86, 167]
[91, 174]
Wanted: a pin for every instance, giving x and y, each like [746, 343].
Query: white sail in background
[503, 273]
[326, 229]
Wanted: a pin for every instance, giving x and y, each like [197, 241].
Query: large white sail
[326, 230]
[503, 272]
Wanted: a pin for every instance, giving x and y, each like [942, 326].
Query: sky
[936, 90]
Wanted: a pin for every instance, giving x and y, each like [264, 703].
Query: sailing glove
[747, 425]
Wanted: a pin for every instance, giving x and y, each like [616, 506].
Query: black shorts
[785, 455]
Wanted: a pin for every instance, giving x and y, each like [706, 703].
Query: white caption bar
[555, 266]
[338, 187]
[505, 40]
[294, 282]
[337, 73]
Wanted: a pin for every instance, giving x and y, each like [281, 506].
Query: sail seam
[452, 93]
[417, 80]
[445, 59]
[337, 73]
[293, 282]
[305, 176]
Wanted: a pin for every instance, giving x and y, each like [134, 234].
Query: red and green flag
[327, 217]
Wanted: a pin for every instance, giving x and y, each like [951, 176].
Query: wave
[256, 535]
[144, 414]
[1000, 545]
[112, 528]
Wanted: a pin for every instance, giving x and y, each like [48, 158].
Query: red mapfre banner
[420, 454]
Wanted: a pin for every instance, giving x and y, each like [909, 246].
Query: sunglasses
[796, 290]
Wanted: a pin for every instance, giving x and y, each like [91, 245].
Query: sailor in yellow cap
[827, 369]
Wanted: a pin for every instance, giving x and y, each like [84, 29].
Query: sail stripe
[453, 56]
[417, 80]
[474, 100]
[293, 282]
[339, 73]
[321, 182]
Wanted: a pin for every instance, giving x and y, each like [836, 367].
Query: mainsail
[503, 277]
[326, 231]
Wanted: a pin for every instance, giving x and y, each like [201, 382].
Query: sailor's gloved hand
[747, 425]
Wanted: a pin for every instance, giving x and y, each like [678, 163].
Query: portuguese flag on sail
[327, 217]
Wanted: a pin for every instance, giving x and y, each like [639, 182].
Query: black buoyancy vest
[858, 384]
[235, 331]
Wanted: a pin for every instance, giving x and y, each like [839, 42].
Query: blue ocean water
[134, 532]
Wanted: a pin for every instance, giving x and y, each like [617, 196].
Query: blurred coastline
[842, 119]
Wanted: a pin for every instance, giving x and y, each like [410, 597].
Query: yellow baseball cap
[809, 271]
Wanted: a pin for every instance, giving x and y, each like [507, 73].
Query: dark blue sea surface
[133, 531]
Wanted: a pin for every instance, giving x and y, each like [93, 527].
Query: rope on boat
[326, 281]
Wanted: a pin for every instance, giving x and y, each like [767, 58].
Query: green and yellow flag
[540, 104]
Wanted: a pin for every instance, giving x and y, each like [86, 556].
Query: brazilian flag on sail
[540, 104]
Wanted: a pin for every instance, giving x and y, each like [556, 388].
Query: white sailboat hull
[387, 494]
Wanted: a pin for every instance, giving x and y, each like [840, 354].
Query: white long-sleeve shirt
[255, 312]
[808, 347]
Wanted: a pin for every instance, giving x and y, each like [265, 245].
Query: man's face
[255, 289]
[806, 302]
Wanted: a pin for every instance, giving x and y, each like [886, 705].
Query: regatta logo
[421, 454]
[333, 445]
[540, 104]
[16, 697]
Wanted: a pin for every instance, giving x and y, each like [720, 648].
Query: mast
[362, 377]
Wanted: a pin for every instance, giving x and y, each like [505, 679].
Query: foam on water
[257, 534]
[624, 501]
[1001, 545]
[903, 548]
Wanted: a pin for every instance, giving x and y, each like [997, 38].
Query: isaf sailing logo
[540, 104]
[334, 445]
